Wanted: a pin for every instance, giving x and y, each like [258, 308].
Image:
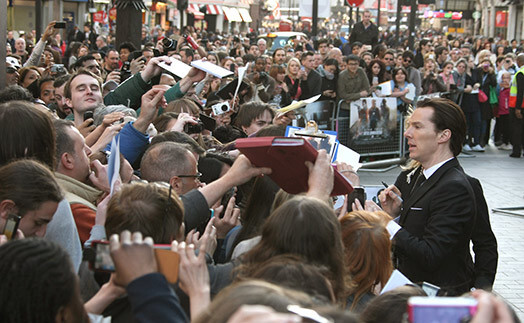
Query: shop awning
[232, 14]
[214, 9]
[246, 17]
[195, 11]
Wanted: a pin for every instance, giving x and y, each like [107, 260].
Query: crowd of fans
[248, 250]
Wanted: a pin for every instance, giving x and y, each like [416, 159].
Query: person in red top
[502, 114]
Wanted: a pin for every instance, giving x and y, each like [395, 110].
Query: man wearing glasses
[413, 74]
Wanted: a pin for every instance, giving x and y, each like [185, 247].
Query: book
[286, 156]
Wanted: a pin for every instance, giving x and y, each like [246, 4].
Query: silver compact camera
[220, 108]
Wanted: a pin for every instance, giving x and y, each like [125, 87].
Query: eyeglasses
[407, 60]
[388, 59]
[197, 175]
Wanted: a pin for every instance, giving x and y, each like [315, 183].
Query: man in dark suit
[313, 84]
[438, 212]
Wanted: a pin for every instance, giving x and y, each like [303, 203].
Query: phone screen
[103, 260]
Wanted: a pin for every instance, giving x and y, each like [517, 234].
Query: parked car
[281, 38]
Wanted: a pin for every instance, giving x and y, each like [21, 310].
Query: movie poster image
[373, 121]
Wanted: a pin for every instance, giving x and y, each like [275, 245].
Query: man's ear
[6, 207]
[176, 183]
[67, 161]
[69, 103]
[444, 136]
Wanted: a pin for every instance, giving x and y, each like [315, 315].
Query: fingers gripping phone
[167, 261]
[11, 225]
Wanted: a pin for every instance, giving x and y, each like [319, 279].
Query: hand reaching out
[133, 257]
[230, 219]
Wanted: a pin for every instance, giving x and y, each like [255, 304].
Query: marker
[399, 198]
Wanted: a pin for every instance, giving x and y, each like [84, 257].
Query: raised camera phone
[441, 309]
[191, 128]
[167, 261]
[11, 225]
[57, 68]
[220, 108]
[60, 25]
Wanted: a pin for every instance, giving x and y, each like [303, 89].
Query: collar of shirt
[430, 171]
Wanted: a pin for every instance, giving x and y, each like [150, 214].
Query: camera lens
[224, 107]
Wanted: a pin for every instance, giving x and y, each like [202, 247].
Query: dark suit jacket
[484, 241]
[312, 86]
[437, 222]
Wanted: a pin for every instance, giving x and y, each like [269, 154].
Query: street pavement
[502, 178]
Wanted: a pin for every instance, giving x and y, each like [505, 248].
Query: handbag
[493, 98]
[482, 96]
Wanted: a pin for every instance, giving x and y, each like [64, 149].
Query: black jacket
[437, 222]
[367, 36]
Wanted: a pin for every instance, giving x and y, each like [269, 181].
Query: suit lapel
[423, 189]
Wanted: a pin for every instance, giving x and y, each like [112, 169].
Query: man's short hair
[179, 138]
[306, 54]
[355, 44]
[408, 54]
[188, 51]
[390, 52]
[322, 41]
[250, 111]
[352, 57]
[67, 89]
[41, 280]
[64, 142]
[15, 93]
[447, 115]
[127, 45]
[163, 161]
[61, 80]
[153, 209]
[80, 62]
[439, 50]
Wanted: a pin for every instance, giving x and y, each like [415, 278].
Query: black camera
[169, 44]
[191, 128]
[125, 71]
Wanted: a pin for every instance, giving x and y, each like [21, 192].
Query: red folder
[286, 156]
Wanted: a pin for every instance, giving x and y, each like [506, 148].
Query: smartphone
[60, 25]
[209, 123]
[88, 115]
[11, 225]
[167, 261]
[232, 67]
[441, 309]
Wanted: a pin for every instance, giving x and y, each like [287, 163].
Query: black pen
[386, 186]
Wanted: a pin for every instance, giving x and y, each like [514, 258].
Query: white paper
[211, 68]
[176, 67]
[385, 88]
[353, 114]
[241, 73]
[348, 156]
[412, 92]
[397, 279]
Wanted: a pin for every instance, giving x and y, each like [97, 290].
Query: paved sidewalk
[502, 178]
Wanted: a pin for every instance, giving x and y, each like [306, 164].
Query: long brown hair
[306, 227]
[367, 251]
